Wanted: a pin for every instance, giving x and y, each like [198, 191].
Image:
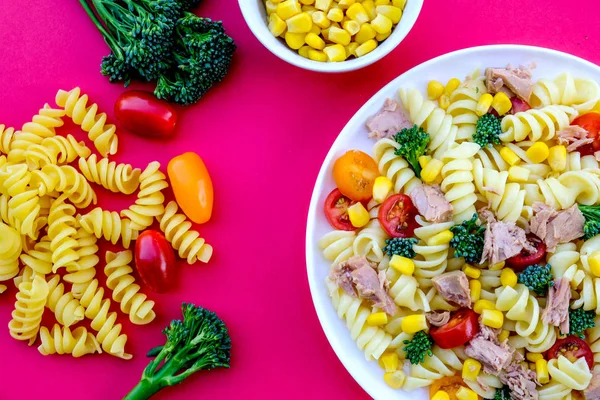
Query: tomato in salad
[461, 328]
[519, 105]
[143, 114]
[448, 384]
[525, 258]
[591, 123]
[155, 261]
[572, 348]
[354, 174]
[192, 186]
[397, 216]
[336, 210]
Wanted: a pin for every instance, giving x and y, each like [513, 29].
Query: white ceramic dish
[256, 17]
[550, 64]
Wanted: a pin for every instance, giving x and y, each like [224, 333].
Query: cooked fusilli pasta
[65, 307]
[149, 202]
[77, 343]
[29, 308]
[118, 178]
[108, 225]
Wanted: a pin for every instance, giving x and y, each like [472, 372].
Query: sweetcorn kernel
[399, 3]
[271, 7]
[404, 265]
[358, 214]
[382, 24]
[441, 395]
[301, 23]
[365, 33]
[320, 19]
[377, 319]
[441, 238]
[370, 8]
[424, 160]
[533, 357]
[518, 174]
[504, 334]
[475, 289]
[434, 90]
[346, 3]
[538, 152]
[444, 101]
[288, 8]
[277, 26]
[497, 266]
[323, 5]
[382, 2]
[464, 393]
[541, 371]
[357, 13]
[483, 304]
[336, 53]
[501, 103]
[382, 185]
[471, 369]
[395, 379]
[339, 36]
[451, 86]
[382, 36]
[508, 277]
[492, 318]
[351, 49]
[471, 272]
[389, 361]
[414, 323]
[509, 156]
[594, 263]
[317, 55]
[366, 48]
[336, 14]
[484, 104]
[352, 27]
[303, 51]
[315, 41]
[557, 158]
[295, 40]
[393, 13]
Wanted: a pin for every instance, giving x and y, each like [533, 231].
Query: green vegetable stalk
[468, 240]
[502, 394]
[199, 342]
[592, 220]
[400, 247]
[413, 144]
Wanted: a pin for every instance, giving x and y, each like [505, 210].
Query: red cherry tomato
[461, 328]
[336, 210]
[192, 186]
[143, 114]
[591, 123]
[572, 348]
[397, 216]
[155, 261]
[525, 258]
[519, 105]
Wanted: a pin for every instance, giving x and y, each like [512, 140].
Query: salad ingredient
[431, 202]
[557, 306]
[431, 172]
[389, 121]
[468, 240]
[435, 89]
[591, 123]
[492, 318]
[395, 379]
[591, 214]
[336, 210]
[555, 227]
[377, 319]
[403, 265]
[358, 214]
[483, 104]
[354, 174]
[572, 348]
[199, 342]
[502, 394]
[576, 139]
[519, 105]
[192, 186]
[414, 323]
[397, 216]
[579, 321]
[530, 255]
[155, 261]
[541, 371]
[502, 240]
[485, 348]
[412, 145]
[557, 158]
[400, 247]
[487, 131]
[453, 287]
[464, 393]
[537, 278]
[438, 318]
[461, 328]
[508, 277]
[447, 385]
[143, 114]
[501, 103]
[382, 188]
[471, 369]
[538, 152]
[512, 80]
[418, 347]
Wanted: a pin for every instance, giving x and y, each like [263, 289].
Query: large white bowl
[550, 64]
[256, 17]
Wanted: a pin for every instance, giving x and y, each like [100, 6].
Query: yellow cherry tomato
[354, 174]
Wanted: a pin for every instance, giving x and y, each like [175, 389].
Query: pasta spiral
[178, 232]
[61, 229]
[78, 342]
[442, 363]
[336, 245]
[80, 274]
[457, 183]
[404, 289]
[39, 259]
[520, 306]
[76, 106]
[57, 150]
[430, 260]
[537, 125]
[97, 309]
[575, 162]
[463, 105]
[574, 375]
[118, 178]
[370, 242]
[555, 391]
[10, 249]
[65, 307]
[395, 167]
[582, 187]
[485, 385]
[432, 119]
[29, 308]
[593, 338]
[149, 202]
[108, 225]
[42, 126]
[370, 339]
[125, 291]
[7, 135]
[23, 206]
[64, 179]
[505, 199]
[581, 94]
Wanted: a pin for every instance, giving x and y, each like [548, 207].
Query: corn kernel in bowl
[321, 29]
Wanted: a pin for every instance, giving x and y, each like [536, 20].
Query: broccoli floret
[400, 247]
[199, 342]
[502, 394]
[537, 278]
[139, 34]
[202, 54]
[580, 320]
[418, 347]
[487, 130]
[592, 221]
[187, 5]
[413, 144]
[468, 240]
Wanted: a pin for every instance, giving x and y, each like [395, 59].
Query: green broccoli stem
[591, 213]
[106, 17]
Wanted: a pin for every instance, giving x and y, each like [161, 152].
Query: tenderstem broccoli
[468, 240]
[580, 320]
[537, 278]
[487, 130]
[413, 144]
[400, 247]
[418, 347]
[199, 342]
[502, 394]
[592, 220]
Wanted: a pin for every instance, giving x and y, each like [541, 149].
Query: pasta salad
[465, 255]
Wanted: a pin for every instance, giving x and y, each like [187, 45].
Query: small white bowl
[255, 15]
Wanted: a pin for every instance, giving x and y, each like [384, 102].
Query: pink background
[265, 130]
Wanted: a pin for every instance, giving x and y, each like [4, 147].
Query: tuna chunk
[493, 356]
[503, 240]
[438, 318]
[574, 137]
[557, 306]
[431, 203]
[592, 392]
[521, 381]
[390, 120]
[516, 80]
[555, 227]
[454, 287]
[357, 277]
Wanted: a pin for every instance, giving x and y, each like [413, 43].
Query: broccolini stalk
[537, 278]
[468, 240]
[502, 394]
[487, 130]
[580, 320]
[592, 220]
[418, 347]
[199, 342]
[400, 247]
[413, 144]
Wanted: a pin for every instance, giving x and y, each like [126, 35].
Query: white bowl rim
[295, 59]
[327, 325]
